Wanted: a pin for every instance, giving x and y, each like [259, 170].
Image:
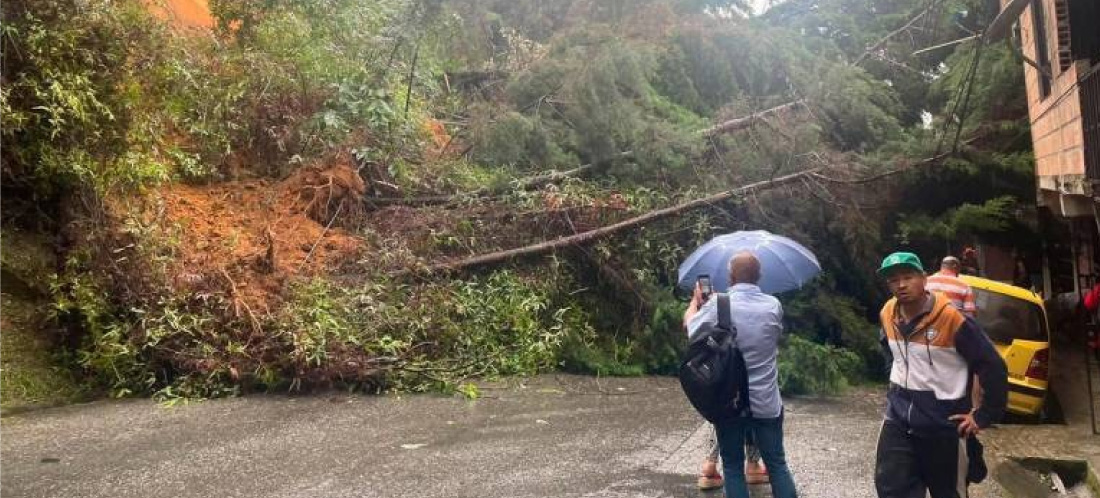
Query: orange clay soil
[254, 234]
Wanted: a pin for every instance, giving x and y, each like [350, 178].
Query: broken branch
[877, 45]
[746, 121]
[538, 181]
[599, 233]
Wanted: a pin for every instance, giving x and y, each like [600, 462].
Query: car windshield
[1005, 318]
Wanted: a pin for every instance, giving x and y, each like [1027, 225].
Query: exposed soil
[256, 234]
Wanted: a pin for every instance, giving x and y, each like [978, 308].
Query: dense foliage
[109, 113]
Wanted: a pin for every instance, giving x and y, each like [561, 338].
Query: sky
[759, 6]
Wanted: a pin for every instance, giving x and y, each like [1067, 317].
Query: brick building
[1060, 43]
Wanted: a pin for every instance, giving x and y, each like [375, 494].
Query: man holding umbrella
[758, 319]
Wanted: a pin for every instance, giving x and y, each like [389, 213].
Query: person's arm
[970, 306]
[697, 314]
[693, 306]
[983, 359]
[887, 353]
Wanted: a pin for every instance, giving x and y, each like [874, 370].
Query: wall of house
[1056, 128]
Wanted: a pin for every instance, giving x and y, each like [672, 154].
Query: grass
[30, 372]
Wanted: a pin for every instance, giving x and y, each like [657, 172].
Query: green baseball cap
[900, 259]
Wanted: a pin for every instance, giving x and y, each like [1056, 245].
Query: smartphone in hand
[705, 286]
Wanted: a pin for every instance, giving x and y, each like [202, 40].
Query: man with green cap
[934, 348]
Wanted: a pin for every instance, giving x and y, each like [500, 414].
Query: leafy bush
[502, 324]
[377, 337]
[827, 317]
[806, 367]
[960, 223]
[106, 350]
[71, 98]
[599, 358]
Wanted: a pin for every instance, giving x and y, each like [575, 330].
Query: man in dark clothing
[929, 411]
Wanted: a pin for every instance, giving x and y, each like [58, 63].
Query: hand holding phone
[705, 288]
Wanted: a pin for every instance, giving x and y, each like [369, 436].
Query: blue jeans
[769, 439]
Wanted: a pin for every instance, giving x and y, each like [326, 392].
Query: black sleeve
[887, 353]
[983, 359]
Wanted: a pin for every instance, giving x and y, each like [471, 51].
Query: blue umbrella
[784, 264]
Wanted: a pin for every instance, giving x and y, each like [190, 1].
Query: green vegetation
[32, 370]
[30, 375]
[201, 190]
[807, 367]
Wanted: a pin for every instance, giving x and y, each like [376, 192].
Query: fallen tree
[637, 221]
[542, 179]
[746, 121]
[529, 183]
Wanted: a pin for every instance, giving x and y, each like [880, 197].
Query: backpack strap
[725, 322]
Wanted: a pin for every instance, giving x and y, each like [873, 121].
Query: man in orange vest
[948, 282]
[929, 411]
[961, 296]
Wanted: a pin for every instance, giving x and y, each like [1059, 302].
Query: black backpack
[713, 373]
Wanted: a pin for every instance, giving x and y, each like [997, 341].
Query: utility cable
[970, 71]
[966, 99]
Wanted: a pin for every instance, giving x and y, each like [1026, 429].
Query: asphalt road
[550, 436]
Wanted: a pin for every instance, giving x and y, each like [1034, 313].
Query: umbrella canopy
[784, 264]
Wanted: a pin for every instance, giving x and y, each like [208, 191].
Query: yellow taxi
[1016, 321]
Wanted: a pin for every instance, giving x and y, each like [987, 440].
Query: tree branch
[877, 45]
[528, 183]
[746, 121]
[537, 181]
[599, 233]
[603, 232]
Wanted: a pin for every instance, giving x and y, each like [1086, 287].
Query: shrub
[377, 337]
[806, 367]
[72, 96]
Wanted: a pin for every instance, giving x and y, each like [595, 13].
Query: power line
[971, 71]
[966, 99]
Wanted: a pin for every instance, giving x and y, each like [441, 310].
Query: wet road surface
[554, 435]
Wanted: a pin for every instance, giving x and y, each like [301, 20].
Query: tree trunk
[746, 121]
[603, 232]
[599, 233]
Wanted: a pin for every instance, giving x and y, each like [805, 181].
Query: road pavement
[554, 435]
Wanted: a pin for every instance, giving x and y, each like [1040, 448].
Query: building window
[1061, 24]
[1042, 55]
[1084, 37]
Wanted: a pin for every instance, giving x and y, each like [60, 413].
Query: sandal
[758, 475]
[707, 483]
[756, 478]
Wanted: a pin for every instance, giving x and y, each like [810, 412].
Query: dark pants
[769, 440]
[907, 465]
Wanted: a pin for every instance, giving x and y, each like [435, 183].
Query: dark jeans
[907, 465]
[769, 439]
